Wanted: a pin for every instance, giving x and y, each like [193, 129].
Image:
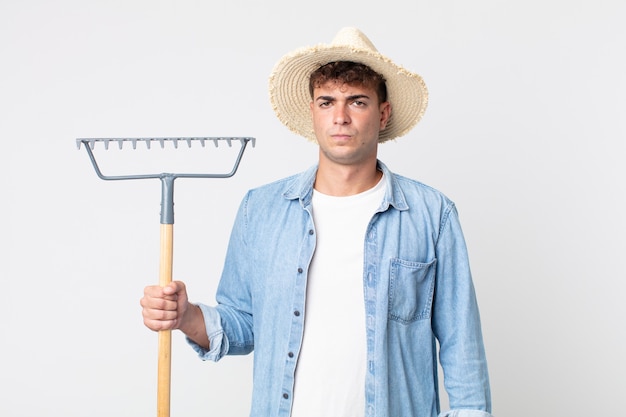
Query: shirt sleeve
[456, 324]
[229, 324]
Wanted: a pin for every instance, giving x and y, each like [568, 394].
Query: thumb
[175, 287]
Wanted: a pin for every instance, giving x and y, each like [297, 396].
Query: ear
[385, 114]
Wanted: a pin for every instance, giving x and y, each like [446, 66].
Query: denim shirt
[417, 291]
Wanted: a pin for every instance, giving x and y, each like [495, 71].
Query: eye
[359, 103]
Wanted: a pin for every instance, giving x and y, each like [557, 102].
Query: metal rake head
[90, 145]
[167, 179]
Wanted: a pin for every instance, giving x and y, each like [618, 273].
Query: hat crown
[353, 38]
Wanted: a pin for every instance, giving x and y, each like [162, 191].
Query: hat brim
[290, 97]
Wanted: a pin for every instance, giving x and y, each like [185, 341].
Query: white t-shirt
[330, 374]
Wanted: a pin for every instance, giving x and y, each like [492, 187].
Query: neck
[345, 180]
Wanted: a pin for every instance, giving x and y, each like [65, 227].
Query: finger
[159, 315]
[165, 303]
[158, 325]
[154, 294]
[153, 291]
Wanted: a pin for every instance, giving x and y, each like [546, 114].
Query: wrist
[189, 316]
[192, 325]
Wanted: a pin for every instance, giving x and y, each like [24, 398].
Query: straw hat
[289, 84]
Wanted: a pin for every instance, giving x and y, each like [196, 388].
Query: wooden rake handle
[165, 336]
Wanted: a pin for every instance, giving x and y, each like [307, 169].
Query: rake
[167, 227]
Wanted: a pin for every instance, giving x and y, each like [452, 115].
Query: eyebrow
[349, 98]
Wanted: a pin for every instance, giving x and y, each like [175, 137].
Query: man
[342, 279]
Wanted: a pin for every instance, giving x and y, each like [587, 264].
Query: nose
[341, 116]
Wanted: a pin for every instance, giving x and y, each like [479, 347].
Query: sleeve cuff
[218, 342]
[465, 413]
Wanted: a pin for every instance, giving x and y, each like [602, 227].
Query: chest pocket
[411, 289]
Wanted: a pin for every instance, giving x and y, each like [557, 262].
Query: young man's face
[347, 120]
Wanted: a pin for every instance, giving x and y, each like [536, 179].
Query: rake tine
[147, 143]
[230, 143]
[106, 144]
[188, 142]
[175, 140]
[202, 141]
[215, 142]
[92, 144]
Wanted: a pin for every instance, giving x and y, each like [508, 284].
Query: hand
[164, 307]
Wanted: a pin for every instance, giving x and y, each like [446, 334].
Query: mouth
[341, 136]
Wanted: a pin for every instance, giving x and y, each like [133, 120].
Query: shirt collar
[302, 188]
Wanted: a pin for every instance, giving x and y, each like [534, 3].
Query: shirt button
[311, 231]
[300, 270]
[296, 313]
[286, 396]
[290, 354]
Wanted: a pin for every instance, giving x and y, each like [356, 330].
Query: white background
[525, 131]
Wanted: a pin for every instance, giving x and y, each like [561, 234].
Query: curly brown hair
[351, 73]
